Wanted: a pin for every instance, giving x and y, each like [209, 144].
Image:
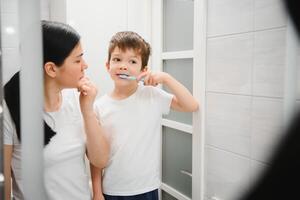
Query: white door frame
[199, 70]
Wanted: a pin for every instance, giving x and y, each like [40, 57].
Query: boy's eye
[115, 59]
[78, 61]
[132, 62]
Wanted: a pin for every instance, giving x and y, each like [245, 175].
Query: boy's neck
[120, 93]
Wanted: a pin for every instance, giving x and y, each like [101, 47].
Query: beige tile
[229, 16]
[267, 124]
[269, 62]
[269, 14]
[228, 122]
[227, 175]
[229, 64]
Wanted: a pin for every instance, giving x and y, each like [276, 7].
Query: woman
[71, 127]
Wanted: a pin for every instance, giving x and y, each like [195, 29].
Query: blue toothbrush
[124, 76]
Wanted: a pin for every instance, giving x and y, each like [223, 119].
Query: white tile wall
[229, 16]
[96, 26]
[257, 169]
[227, 175]
[244, 90]
[228, 122]
[269, 61]
[269, 14]
[229, 64]
[267, 124]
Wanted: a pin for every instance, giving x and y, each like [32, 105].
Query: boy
[131, 115]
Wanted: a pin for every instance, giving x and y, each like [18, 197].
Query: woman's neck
[52, 97]
[123, 92]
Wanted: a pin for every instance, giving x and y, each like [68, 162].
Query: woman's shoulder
[70, 99]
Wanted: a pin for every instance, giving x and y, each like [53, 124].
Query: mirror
[232, 55]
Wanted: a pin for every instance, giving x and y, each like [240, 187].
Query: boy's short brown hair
[130, 40]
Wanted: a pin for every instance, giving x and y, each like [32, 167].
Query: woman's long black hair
[58, 42]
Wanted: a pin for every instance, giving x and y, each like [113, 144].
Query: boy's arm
[183, 100]
[96, 176]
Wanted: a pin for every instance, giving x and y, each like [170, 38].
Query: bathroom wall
[246, 45]
[97, 21]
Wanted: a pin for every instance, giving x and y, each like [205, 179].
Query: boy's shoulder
[101, 100]
[151, 91]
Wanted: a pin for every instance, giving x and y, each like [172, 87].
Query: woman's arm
[96, 175]
[96, 142]
[8, 149]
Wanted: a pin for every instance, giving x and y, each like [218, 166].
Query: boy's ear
[107, 66]
[145, 69]
[50, 69]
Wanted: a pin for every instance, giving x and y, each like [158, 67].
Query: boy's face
[127, 62]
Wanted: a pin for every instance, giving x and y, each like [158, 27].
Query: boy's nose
[123, 67]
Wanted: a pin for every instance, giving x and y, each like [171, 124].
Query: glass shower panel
[166, 196]
[178, 25]
[177, 160]
[181, 70]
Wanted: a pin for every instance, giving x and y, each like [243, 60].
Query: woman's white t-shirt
[65, 171]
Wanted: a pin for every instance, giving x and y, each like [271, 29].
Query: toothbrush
[124, 76]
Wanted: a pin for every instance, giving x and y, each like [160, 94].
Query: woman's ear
[50, 69]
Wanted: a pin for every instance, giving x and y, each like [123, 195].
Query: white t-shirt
[133, 127]
[65, 171]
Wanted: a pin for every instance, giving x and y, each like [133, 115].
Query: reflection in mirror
[1, 122]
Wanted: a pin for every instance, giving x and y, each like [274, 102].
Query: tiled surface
[267, 124]
[269, 61]
[245, 84]
[229, 16]
[229, 64]
[228, 175]
[269, 14]
[257, 170]
[228, 122]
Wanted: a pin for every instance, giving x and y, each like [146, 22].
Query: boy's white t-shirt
[65, 173]
[133, 127]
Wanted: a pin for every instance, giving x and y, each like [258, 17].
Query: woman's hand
[88, 93]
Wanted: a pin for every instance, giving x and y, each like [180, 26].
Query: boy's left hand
[153, 78]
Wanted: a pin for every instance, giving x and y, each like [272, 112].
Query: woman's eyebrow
[80, 55]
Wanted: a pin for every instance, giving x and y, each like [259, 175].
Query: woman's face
[72, 70]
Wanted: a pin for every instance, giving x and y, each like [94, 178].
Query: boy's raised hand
[153, 78]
